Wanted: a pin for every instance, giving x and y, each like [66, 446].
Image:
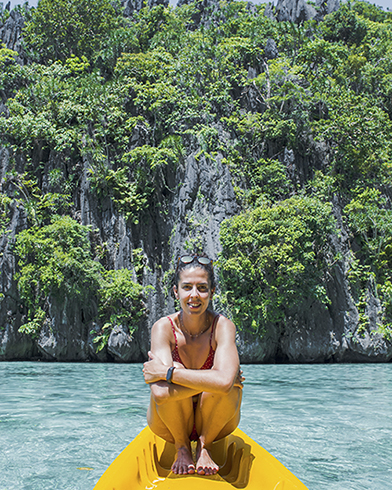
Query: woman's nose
[194, 291]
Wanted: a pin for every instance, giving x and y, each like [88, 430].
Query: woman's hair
[181, 265]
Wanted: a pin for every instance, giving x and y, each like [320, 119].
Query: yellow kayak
[145, 464]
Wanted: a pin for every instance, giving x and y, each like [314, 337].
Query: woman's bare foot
[205, 464]
[183, 465]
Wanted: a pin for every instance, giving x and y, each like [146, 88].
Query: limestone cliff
[198, 194]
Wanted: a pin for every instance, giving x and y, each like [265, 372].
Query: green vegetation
[59, 29]
[121, 303]
[275, 259]
[54, 260]
[56, 263]
[129, 98]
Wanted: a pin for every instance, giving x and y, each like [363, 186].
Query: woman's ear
[175, 291]
[212, 292]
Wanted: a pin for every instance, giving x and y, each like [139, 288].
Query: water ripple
[329, 424]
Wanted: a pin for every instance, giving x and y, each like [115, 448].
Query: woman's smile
[194, 305]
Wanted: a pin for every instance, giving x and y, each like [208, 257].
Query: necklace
[192, 336]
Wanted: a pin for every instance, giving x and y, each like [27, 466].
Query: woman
[193, 371]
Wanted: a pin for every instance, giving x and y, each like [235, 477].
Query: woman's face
[193, 290]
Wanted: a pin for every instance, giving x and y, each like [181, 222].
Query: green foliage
[6, 56]
[127, 196]
[120, 303]
[39, 206]
[65, 108]
[8, 67]
[370, 11]
[5, 217]
[266, 180]
[59, 29]
[55, 261]
[69, 109]
[132, 187]
[344, 25]
[370, 221]
[33, 326]
[274, 260]
[145, 67]
[359, 134]
[120, 40]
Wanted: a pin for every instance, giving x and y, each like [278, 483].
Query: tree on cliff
[59, 29]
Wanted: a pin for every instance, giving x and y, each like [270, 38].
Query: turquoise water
[331, 425]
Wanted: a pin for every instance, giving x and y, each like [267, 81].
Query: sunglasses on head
[188, 259]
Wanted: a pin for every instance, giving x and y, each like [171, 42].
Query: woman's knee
[229, 402]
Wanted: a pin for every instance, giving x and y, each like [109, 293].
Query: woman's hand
[154, 369]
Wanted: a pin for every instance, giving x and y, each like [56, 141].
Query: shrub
[274, 259]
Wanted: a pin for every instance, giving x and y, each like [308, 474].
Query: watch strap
[169, 374]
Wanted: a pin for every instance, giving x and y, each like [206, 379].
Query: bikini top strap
[214, 322]
[174, 332]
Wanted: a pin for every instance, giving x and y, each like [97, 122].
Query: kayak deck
[145, 464]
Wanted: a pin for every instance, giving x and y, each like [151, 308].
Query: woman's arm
[220, 379]
[161, 357]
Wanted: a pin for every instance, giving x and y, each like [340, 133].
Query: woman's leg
[216, 417]
[173, 421]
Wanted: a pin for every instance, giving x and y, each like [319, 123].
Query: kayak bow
[145, 464]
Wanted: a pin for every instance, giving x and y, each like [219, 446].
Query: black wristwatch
[169, 374]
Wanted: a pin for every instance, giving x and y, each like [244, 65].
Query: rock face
[10, 31]
[201, 197]
[295, 10]
[299, 11]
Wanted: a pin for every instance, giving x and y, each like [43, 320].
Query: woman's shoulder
[223, 324]
[164, 324]
[162, 334]
[222, 319]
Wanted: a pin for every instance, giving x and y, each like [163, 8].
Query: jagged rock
[204, 197]
[10, 31]
[323, 334]
[294, 10]
[251, 8]
[326, 7]
[299, 11]
[253, 348]
[65, 336]
[122, 347]
[131, 6]
[269, 11]
[251, 98]
[271, 49]
[155, 3]
[15, 345]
